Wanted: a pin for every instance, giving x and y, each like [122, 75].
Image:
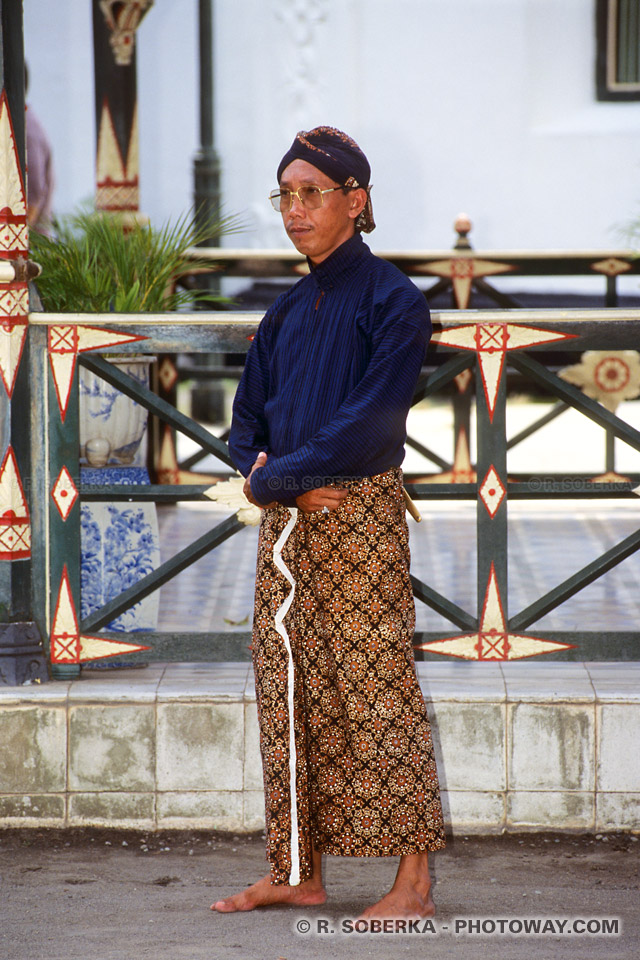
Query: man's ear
[358, 200]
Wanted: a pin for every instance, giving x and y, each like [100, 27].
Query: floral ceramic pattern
[119, 547]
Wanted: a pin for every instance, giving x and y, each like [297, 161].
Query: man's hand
[310, 502]
[261, 459]
[321, 497]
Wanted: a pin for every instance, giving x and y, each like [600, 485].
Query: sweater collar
[328, 273]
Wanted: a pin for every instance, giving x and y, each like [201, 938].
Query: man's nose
[296, 205]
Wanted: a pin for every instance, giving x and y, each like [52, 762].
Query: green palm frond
[93, 264]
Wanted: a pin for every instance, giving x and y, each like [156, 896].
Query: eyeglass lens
[309, 196]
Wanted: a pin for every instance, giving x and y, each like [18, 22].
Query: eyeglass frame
[296, 193]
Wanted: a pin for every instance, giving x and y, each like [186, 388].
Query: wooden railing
[463, 270]
[484, 343]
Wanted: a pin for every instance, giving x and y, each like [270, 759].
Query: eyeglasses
[310, 197]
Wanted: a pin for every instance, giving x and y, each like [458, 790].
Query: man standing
[318, 430]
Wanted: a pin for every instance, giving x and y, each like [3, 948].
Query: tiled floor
[216, 593]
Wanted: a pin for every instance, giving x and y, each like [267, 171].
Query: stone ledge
[520, 746]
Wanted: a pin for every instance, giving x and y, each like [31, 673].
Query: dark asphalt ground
[96, 895]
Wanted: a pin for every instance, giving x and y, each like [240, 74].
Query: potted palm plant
[92, 264]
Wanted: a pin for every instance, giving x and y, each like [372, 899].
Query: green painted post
[21, 655]
[463, 395]
[609, 452]
[492, 502]
[64, 523]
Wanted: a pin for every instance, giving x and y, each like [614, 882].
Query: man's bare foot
[410, 895]
[265, 894]
[401, 904]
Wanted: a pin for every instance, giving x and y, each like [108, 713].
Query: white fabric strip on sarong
[281, 613]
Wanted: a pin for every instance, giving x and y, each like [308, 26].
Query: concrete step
[520, 746]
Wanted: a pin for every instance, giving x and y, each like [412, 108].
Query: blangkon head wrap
[338, 156]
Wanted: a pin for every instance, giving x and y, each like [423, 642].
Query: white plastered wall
[486, 106]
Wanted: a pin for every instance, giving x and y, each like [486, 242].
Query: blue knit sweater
[329, 376]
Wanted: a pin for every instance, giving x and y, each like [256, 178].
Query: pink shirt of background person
[39, 175]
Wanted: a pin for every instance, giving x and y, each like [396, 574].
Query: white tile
[618, 750]
[488, 690]
[461, 681]
[32, 810]
[253, 818]
[33, 748]
[551, 746]
[628, 668]
[112, 747]
[250, 690]
[201, 688]
[54, 691]
[473, 811]
[617, 691]
[113, 689]
[550, 810]
[207, 681]
[203, 810]
[469, 741]
[463, 670]
[519, 669]
[616, 682]
[618, 811]
[548, 688]
[122, 810]
[200, 746]
[253, 779]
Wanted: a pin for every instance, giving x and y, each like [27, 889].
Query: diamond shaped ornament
[64, 493]
[611, 267]
[492, 492]
[167, 374]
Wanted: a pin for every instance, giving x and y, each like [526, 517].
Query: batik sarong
[345, 739]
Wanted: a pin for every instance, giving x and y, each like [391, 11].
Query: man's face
[317, 233]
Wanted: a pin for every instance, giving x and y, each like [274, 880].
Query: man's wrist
[261, 488]
[271, 488]
[254, 483]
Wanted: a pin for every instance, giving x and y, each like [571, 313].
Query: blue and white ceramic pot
[119, 541]
[112, 425]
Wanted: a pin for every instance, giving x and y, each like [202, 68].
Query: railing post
[610, 452]
[491, 401]
[463, 395]
[462, 226]
[21, 655]
[62, 517]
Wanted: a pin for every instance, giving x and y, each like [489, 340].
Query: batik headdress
[339, 157]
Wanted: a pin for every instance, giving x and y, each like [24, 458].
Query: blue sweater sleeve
[249, 434]
[371, 422]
